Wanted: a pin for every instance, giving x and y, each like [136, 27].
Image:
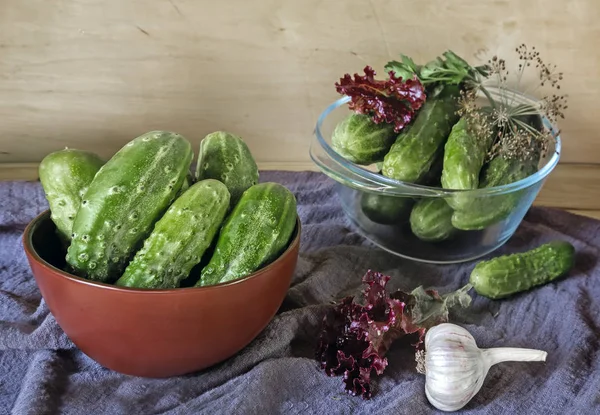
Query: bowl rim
[27, 240]
[391, 186]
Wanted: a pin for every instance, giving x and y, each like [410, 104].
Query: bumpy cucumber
[464, 155]
[124, 201]
[65, 176]
[392, 210]
[358, 139]
[415, 149]
[431, 220]
[386, 210]
[506, 275]
[226, 157]
[477, 213]
[254, 234]
[180, 238]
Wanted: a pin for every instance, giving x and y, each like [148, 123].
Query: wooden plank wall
[95, 73]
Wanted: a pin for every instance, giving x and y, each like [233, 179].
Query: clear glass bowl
[359, 186]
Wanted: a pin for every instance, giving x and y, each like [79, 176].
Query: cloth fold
[42, 372]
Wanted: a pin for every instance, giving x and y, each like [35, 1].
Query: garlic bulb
[455, 367]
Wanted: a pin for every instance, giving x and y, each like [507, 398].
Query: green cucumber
[255, 233]
[464, 156]
[394, 210]
[385, 210]
[415, 150]
[126, 198]
[65, 176]
[431, 220]
[180, 238]
[477, 213]
[506, 275]
[360, 140]
[226, 157]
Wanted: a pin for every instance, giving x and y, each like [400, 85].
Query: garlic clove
[455, 367]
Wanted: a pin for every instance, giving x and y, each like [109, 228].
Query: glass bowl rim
[401, 186]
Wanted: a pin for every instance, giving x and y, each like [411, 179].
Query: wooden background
[94, 74]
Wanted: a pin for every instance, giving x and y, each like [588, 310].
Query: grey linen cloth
[42, 372]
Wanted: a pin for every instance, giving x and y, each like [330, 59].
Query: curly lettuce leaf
[393, 101]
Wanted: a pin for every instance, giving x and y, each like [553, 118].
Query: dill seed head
[515, 134]
[478, 122]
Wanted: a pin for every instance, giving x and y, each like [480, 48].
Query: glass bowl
[361, 188]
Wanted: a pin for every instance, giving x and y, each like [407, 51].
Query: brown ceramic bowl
[156, 333]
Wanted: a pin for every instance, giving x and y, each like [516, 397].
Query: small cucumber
[506, 275]
[255, 233]
[360, 140]
[180, 238]
[226, 157]
[477, 213]
[394, 210]
[431, 220]
[385, 210]
[464, 156]
[415, 150]
[65, 176]
[126, 198]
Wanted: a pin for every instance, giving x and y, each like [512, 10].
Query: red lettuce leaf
[394, 100]
[355, 338]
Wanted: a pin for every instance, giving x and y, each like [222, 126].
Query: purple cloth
[42, 372]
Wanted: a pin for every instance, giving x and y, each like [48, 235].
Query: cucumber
[431, 220]
[126, 198]
[477, 213]
[255, 233]
[360, 140]
[180, 238]
[65, 175]
[506, 275]
[385, 210]
[413, 153]
[394, 210]
[464, 156]
[226, 157]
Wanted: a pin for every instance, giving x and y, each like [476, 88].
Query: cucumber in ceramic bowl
[255, 233]
[123, 202]
[180, 238]
[226, 157]
[65, 176]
